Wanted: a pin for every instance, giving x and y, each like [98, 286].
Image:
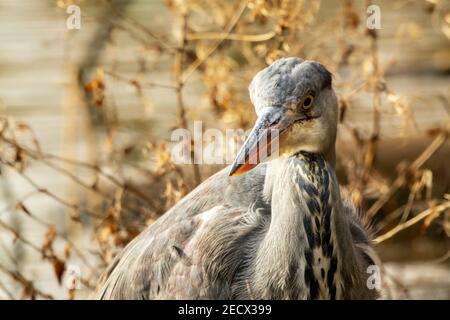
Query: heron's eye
[307, 101]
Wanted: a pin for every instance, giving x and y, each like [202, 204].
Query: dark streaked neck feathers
[303, 246]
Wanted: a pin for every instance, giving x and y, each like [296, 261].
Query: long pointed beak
[262, 141]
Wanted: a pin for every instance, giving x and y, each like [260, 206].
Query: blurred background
[86, 117]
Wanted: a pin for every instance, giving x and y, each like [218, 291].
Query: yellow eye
[307, 101]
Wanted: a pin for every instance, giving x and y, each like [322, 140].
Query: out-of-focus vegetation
[192, 60]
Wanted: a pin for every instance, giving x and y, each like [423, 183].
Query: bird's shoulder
[183, 244]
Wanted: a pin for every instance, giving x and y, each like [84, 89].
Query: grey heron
[281, 231]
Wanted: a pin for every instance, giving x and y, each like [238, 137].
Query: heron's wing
[178, 256]
[360, 231]
[362, 240]
[196, 258]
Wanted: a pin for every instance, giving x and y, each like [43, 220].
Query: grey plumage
[281, 231]
[284, 81]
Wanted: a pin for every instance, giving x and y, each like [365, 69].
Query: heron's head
[297, 111]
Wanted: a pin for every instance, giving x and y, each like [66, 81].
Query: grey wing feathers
[197, 258]
[153, 262]
[360, 230]
[159, 257]
[362, 240]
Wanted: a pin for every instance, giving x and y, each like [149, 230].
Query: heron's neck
[303, 238]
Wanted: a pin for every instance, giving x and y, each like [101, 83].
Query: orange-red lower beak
[260, 144]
